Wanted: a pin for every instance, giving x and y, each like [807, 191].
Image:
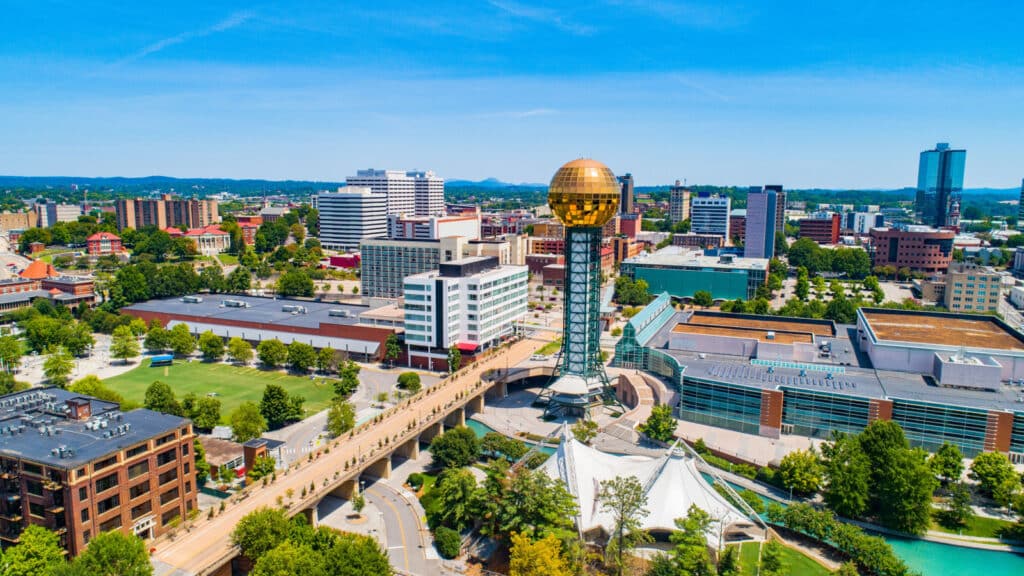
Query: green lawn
[550, 347]
[794, 562]
[232, 384]
[977, 526]
[228, 259]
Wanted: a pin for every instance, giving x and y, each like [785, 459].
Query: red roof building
[102, 243]
[210, 240]
[38, 270]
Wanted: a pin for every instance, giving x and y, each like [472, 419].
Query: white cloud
[542, 15]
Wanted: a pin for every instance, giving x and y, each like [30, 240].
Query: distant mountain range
[491, 183]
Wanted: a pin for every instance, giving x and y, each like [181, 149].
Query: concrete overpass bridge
[204, 547]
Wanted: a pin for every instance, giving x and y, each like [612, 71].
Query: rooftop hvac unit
[192, 299]
[235, 303]
[339, 313]
[293, 308]
[770, 335]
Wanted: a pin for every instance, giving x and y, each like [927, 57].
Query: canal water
[928, 558]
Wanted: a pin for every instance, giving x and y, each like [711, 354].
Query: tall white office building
[350, 215]
[710, 215]
[412, 192]
[472, 303]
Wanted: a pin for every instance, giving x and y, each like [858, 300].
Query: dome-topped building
[584, 193]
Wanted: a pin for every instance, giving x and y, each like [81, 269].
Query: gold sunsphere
[584, 193]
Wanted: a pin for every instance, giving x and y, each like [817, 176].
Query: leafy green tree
[947, 463]
[624, 499]
[660, 425]
[847, 569]
[160, 398]
[157, 339]
[455, 448]
[202, 466]
[10, 351]
[211, 345]
[326, 359]
[206, 413]
[37, 553]
[847, 476]
[239, 350]
[348, 379]
[392, 349]
[239, 280]
[690, 554]
[409, 381]
[905, 496]
[543, 557]
[247, 422]
[455, 497]
[729, 562]
[703, 298]
[287, 559]
[262, 466]
[91, 385]
[278, 407]
[990, 470]
[181, 340]
[301, 356]
[272, 353]
[295, 283]
[58, 366]
[771, 559]
[803, 285]
[260, 532]
[115, 553]
[341, 417]
[959, 511]
[841, 310]
[526, 501]
[801, 471]
[8, 384]
[454, 359]
[584, 430]
[356, 555]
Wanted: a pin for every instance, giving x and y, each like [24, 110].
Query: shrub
[448, 542]
[415, 480]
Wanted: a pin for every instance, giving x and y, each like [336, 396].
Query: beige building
[166, 212]
[17, 220]
[971, 288]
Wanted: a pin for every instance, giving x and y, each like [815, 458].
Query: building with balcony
[80, 466]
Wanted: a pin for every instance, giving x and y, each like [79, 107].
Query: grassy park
[795, 563]
[232, 384]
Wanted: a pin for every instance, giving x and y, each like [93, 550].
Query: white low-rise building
[470, 303]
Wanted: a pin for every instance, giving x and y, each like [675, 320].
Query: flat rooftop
[779, 337]
[943, 329]
[35, 422]
[818, 328]
[279, 312]
[680, 257]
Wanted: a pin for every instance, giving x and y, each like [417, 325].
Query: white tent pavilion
[672, 483]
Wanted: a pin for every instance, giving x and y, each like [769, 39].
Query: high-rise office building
[349, 216]
[780, 206]
[940, 183]
[762, 206]
[626, 198]
[385, 262]
[1020, 206]
[678, 203]
[412, 192]
[710, 215]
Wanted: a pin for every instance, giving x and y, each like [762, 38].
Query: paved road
[402, 531]
[208, 541]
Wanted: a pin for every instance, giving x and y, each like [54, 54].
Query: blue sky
[822, 94]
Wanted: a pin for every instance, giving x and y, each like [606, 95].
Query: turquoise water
[935, 559]
[480, 428]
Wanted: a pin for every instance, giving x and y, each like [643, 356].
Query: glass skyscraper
[940, 182]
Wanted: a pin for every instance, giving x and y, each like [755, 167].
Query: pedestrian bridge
[204, 548]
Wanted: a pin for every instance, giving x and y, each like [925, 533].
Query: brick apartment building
[165, 212]
[821, 230]
[80, 466]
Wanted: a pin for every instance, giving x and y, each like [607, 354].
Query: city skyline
[726, 94]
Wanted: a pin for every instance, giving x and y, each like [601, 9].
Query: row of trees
[279, 545]
[853, 262]
[39, 553]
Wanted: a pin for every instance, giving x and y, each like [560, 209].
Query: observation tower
[583, 195]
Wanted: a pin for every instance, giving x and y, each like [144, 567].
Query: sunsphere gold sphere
[584, 193]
